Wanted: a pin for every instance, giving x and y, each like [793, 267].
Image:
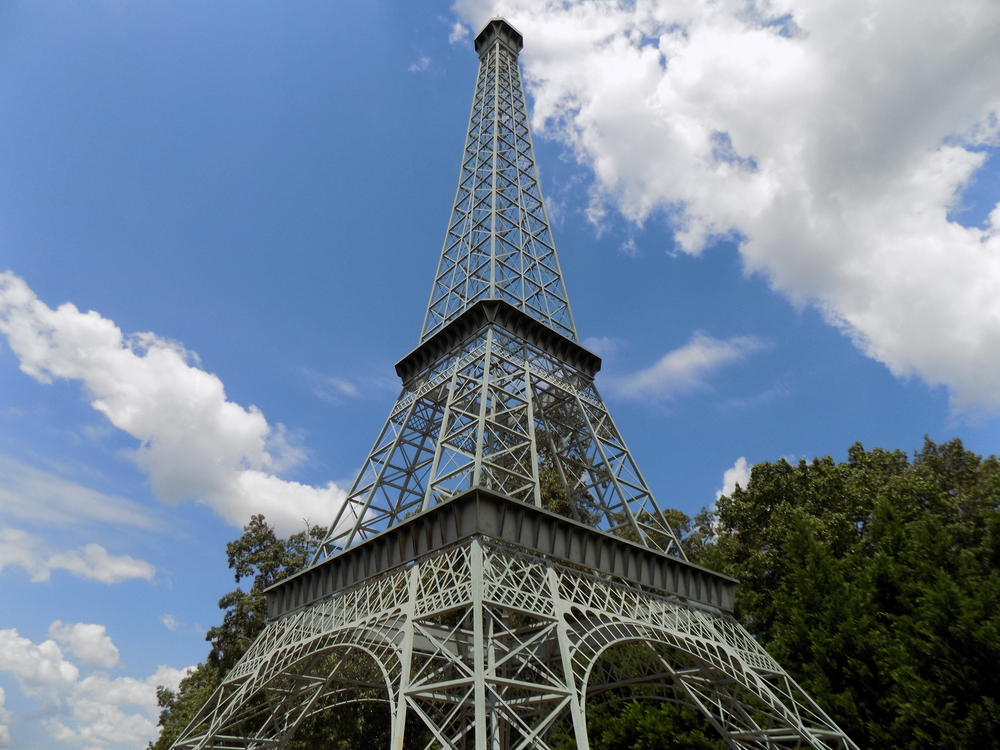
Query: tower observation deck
[500, 561]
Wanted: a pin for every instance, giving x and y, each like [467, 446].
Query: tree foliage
[875, 582]
[259, 554]
[650, 726]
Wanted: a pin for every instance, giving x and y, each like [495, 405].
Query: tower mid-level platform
[500, 520]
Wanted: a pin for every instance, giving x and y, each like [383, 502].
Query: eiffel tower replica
[500, 563]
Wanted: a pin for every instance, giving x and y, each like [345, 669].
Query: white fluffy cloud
[95, 711]
[39, 669]
[830, 138]
[686, 369]
[193, 442]
[96, 705]
[92, 561]
[739, 474]
[88, 642]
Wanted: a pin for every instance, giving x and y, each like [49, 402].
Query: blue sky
[772, 263]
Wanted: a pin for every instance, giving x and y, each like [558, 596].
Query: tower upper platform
[497, 29]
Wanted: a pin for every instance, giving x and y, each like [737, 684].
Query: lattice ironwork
[500, 561]
[494, 646]
[498, 244]
[493, 412]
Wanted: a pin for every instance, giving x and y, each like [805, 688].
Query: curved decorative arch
[651, 678]
[338, 689]
[275, 689]
[742, 701]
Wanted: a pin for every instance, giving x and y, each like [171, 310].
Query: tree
[876, 584]
[647, 725]
[258, 554]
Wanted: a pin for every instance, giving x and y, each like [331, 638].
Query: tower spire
[498, 244]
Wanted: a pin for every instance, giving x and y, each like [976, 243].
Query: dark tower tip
[498, 30]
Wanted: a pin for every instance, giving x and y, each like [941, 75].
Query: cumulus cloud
[92, 561]
[96, 705]
[38, 496]
[687, 368]
[830, 140]
[39, 668]
[193, 442]
[95, 711]
[88, 642]
[739, 474]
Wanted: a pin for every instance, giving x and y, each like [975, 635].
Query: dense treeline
[874, 582]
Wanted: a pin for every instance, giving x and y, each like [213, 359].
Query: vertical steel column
[479, 642]
[405, 659]
[545, 214]
[493, 171]
[530, 397]
[445, 419]
[484, 399]
[577, 708]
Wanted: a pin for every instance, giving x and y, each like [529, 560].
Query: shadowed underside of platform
[525, 527]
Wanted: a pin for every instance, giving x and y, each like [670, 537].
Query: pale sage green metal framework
[500, 561]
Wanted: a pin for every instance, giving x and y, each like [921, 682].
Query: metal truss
[494, 412]
[490, 409]
[493, 646]
[498, 244]
[500, 561]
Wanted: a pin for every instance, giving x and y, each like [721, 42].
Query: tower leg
[577, 703]
[479, 646]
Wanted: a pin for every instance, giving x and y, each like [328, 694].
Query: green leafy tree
[647, 725]
[876, 584]
[263, 557]
[259, 554]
